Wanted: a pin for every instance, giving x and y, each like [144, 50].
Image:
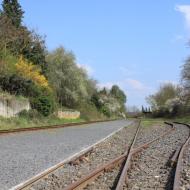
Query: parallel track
[124, 162]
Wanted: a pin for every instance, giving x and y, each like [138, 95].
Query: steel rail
[73, 160]
[18, 130]
[83, 182]
[52, 169]
[179, 167]
[123, 176]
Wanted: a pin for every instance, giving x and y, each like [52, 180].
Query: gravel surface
[185, 181]
[23, 155]
[108, 180]
[147, 134]
[150, 169]
[102, 153]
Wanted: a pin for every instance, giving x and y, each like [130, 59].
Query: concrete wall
[10, 107]
[68, 114]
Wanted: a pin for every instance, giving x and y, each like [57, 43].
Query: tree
[166, 91]
[20, 41]
[118, 94]
[68, 80]
[185, 75]
[12, 9]
[143, 110]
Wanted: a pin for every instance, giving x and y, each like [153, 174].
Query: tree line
[172, 99]
[51, 80]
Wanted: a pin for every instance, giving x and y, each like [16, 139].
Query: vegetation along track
[8, 131]
[113, 165]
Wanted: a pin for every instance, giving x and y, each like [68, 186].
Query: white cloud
[135, 84]
[185, 10]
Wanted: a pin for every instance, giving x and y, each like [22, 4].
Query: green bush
[106, 111]
[43, 104]
[31, 114]
[89, 112]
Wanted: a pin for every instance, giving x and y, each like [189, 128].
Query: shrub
[31, 72]
[31, 114]
[44, 104]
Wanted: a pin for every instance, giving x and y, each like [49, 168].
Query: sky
[136, 44]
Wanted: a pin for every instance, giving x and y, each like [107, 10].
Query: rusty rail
[123, 177]
[52, 169]
[51, 126]
[83, 182]
[179, 166]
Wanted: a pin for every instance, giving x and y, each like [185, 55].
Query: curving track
[146, 159]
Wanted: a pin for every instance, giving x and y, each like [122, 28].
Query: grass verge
[147, 122]
[21, 122]
[185, 119]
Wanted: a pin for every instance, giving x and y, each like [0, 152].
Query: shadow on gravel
[171, 176]
[118, 176]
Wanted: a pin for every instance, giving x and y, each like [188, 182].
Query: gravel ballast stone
[102, 153]
[23, 155]
[151, 168]
[185, 178]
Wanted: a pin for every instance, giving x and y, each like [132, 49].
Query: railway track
[8, 131]
[116, 173]
[182, 174]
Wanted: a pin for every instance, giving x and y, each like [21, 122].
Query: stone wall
[68, 114]
[11, 106]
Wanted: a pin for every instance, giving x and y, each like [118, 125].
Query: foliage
[118, 94]
[110, 102]
[48, 79]
[166, 101]
[43, 104]
[31, 72]
[89, 111]
[165, 92]
[31, 114]
[8, 33]
[38, 121]
[21, 41]
[147, 122]
[70, 82]
[13, 10]
[185, 75]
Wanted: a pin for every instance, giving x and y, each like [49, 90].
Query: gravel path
[150, 170]
[26, 154]
[102, 153]
[185, 181]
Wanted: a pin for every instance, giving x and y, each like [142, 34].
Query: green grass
[147, 122]
[21, 122]
[185, 119]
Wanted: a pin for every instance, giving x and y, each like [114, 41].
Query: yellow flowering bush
[32, 72]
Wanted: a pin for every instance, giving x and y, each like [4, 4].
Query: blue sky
[133, 43]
